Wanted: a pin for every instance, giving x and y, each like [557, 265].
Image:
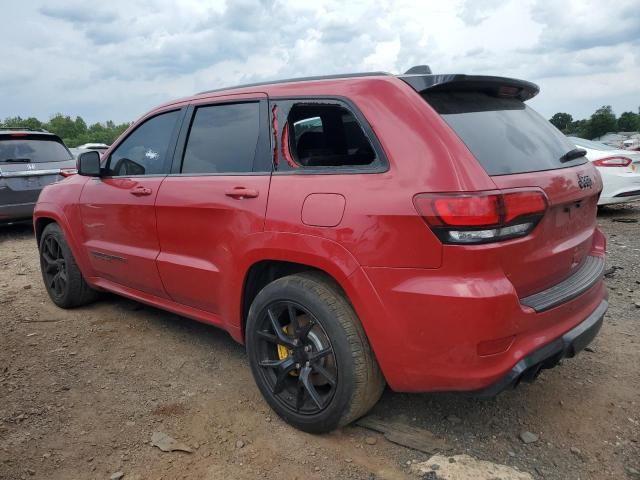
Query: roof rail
[300, 79]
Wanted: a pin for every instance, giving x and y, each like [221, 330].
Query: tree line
[73, 132]
[601, 122]
[76, 132]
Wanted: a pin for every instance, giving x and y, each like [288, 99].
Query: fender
[59, 202]
[317, 252]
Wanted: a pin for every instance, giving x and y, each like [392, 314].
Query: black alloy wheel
[309, 354]
[54, 267]
[296, 357]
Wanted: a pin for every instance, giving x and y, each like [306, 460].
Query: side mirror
[89, 164]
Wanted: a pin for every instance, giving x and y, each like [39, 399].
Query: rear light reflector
[482, 217]
[67, 172]
[613, 162]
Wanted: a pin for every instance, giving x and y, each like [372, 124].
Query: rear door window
[504, 134]
[32, 149]
[327, 136]
[223, 139]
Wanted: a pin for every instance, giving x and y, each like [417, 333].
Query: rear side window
[223, 139]
[504, 134]
[32, 149]
[327, 136]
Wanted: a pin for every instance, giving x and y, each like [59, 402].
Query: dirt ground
[82, 392]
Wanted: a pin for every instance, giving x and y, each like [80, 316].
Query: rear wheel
[309, 354]
[62, 278]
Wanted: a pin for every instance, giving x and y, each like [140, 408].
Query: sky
[117, 59]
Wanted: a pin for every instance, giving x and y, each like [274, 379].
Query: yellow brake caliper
[283, 352]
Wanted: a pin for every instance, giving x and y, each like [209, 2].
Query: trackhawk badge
[584, 181]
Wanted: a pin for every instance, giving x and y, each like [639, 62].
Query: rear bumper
[20, 211]
[620, 186]
[548, 356]
[437, 330]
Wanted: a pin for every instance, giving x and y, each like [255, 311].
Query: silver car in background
[29, 160]
[87, 147]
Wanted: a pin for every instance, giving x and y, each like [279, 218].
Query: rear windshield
[32, 150]
[504, 134]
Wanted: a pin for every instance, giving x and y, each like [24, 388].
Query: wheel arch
[263, 272]
[40, 224]
[47, 213]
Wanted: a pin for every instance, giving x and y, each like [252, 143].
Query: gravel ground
[82, 392]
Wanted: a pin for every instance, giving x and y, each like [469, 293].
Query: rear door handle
[140, 191]
[240, 193]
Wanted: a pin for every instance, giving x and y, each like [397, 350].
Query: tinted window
[32, 150]
[327, 136]
[223, 139]
[504, 134]
[146, 150]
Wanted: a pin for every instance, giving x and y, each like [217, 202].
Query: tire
[70, 289]
[320, 309]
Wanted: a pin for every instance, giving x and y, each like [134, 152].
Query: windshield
[504, 134]
[581, 142]
[32, 150]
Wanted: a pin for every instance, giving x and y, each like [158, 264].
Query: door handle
[240, 193]
[140, 191]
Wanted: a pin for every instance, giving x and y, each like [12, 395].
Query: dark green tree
[562, 121]
[602, 121]
[629, 122]
[30, 122]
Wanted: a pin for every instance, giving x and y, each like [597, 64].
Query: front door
[117, 209]
[216, 199]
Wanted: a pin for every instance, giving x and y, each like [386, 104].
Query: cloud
[474, 12]
[77, 13]
[581, 25]
[119, 58]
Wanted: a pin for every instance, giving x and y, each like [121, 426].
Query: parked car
[428, 231]
[620, 171]
[29, 160]
[98, 147]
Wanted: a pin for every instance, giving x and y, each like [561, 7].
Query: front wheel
[60, 273]
[309, 354]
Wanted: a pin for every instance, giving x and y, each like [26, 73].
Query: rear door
[518, 148]
[214, 200]
[118, 208]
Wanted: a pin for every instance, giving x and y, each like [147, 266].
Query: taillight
[67, 172]
[612, 162]
[481, 217]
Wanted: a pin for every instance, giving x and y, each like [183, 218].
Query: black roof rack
[300, 79]
[421, 79]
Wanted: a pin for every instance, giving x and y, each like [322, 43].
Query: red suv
[428, 231]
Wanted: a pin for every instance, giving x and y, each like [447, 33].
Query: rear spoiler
[494, 86]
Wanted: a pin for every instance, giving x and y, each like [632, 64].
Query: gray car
[29, 160]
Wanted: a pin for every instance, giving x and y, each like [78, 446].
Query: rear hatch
[521, 150]
[28, 162]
